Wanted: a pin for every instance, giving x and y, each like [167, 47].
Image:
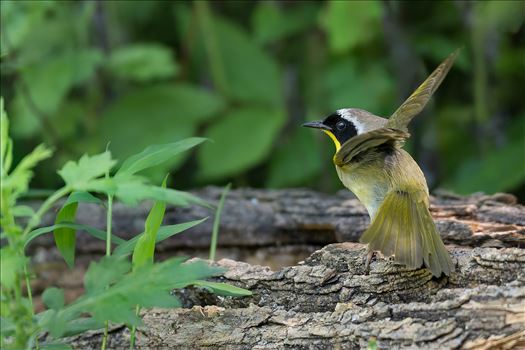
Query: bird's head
[340, 125]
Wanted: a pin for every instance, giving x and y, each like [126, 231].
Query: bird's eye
[340, 126]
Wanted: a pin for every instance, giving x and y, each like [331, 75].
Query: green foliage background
[246, 74]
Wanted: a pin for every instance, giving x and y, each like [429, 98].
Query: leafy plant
[115, 286]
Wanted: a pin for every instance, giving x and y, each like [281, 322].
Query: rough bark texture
[328, 300]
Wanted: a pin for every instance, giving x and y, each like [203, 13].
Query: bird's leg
[369, 256]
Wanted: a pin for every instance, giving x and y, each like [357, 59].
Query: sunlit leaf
[145, 247]
[156, 154]
[78, 174]
[65, 237]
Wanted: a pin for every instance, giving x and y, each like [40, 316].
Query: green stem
[105, 338]
[109, 218]
[35, 220]
[28, 287]
[134, 330]
[217, 222]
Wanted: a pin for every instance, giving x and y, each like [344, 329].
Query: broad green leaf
[164, 232]
[65, 237]
[156, 154]
[142, 62]
[272, 22]
[115, 308]
[145, 247]
[78, 174]
[50, 80]
[155, 114]
[350, 23]
[105, 272]
[297, 160]
[53, 298]
[242, 138]
[77, 227]
[251, 74]
[223, 288]
[56, 324]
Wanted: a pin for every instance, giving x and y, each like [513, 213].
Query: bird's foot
[369, 257]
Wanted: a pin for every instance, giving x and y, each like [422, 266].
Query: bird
[371, 162]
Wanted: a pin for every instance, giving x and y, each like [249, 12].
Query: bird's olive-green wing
[366, 141]
[419, 98]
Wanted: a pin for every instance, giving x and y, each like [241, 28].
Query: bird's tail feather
[403, 227]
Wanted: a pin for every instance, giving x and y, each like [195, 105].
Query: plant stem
[217, 222]
[28, 287]
[133, 331]
[109, 218]
[35, 220]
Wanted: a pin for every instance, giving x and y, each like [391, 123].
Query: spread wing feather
[368, 140]
[419, 98]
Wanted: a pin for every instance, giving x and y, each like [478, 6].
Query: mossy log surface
[328, 300]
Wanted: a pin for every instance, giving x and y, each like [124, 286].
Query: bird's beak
[316, 125]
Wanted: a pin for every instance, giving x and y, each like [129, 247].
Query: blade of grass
[217, 222]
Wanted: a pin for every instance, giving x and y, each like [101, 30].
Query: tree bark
[328, 300]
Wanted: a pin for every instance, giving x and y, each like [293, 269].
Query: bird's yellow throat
[332, 136]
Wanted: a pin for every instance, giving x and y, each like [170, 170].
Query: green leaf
[173, 111]
[223, 288]
[22, 211]
[154, 298]
[53, 298]
[350, 23]
[164, 232]
[271, 22]
[145, 247]
[65, 237]
[48, 83]
[142, 62]
[155, 155]
[251, 75]
[77, 227]
[82, 197]
[11, 263]
[78, 174]
[81, 325]
[105, 272]
[243, 139]
[489, 177]
[18, 180]
[132, 190]
[295, 161]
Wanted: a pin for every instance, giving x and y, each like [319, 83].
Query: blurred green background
[78, 74]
